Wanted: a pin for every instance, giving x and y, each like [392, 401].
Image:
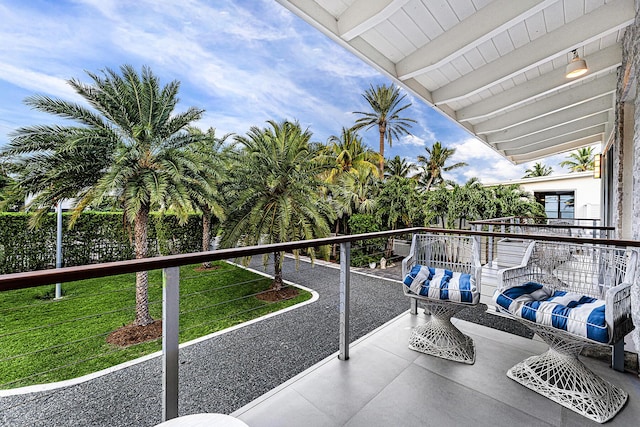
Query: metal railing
[564, 227]
[171, 284]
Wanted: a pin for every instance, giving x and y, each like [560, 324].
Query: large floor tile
[286, 408]
[419, 397]
[342, 388]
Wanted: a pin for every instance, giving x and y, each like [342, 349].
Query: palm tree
[385, 102]
[435, 163]
[580, 160]
[130, 145]
[398, 167]
[356, 194]
[213, 154]
[278, 197]
[538, 169]
[347, 154]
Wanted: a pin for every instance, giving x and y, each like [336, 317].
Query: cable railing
[191, 302]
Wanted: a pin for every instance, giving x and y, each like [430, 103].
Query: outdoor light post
[58, 246]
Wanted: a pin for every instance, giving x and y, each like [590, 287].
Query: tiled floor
[386, 384]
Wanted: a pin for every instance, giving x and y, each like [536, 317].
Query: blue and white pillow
[569, 311]
[442, 284]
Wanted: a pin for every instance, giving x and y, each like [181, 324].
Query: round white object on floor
[204, 420]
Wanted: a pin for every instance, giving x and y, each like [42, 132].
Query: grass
[44, 341]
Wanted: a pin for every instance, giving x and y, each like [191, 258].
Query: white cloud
[37, 82]
[412, 140]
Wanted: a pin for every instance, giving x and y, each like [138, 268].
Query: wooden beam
[363, 15]
[600, 63]
[577, 112]
[557, 141]
[550, 105]
[550, 133]
[603, 21]
[486, 23]
[568, 146]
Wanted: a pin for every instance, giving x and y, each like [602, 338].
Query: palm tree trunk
[206, 234]
[277, 266]
[429, 182]
[140, 223]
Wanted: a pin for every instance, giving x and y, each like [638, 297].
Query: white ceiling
[496, 67]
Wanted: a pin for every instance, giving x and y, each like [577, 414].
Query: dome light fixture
[577, 66]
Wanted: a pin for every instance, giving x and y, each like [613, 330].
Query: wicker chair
[572, 296]
[444, 273]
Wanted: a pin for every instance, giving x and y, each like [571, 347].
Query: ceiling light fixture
[577, 66]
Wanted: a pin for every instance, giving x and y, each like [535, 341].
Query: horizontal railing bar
[582, 227]
[505, 218]
[44, 277]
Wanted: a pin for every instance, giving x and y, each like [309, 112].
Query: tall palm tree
[385, 102]
[538, 169]
[580, 160]
[435, 163]
[399, 167]
[347, 154]
[130, 145]
[278, 197]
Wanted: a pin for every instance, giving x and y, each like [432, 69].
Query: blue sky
[243, 61]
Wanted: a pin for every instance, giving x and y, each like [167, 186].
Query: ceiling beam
[486, 23]
[313, 14]
[602, 21]
[557, 141]
[363, 15]
[563, 148]
[580, 111]
[601, 62]
[547, 134]
[550, 105]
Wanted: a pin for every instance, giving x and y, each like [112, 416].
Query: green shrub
[95, 237]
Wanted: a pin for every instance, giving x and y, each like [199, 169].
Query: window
[557, 204]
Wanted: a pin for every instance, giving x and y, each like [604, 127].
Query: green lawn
[44, 341]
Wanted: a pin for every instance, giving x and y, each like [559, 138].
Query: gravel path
[228, 371]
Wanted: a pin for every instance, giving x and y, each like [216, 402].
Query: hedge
[95, 237]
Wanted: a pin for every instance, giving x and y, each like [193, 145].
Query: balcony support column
[345, 285]
[170, 328]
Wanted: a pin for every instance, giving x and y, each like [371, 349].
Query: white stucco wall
[585, 187]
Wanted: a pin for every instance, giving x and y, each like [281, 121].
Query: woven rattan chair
[572, 296]
[443, 272]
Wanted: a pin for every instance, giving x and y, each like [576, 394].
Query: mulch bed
[132, 334]
[273, 295]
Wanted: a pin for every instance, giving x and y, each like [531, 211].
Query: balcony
[285, 370]
[386, 384]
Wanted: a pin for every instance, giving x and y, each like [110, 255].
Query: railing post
[490, 249]
[170, 319]
[345, 277]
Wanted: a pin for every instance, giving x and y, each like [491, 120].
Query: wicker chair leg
[440, 338]
[563, 378]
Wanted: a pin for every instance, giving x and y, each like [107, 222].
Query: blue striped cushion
[441, 284]
[569, 311]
